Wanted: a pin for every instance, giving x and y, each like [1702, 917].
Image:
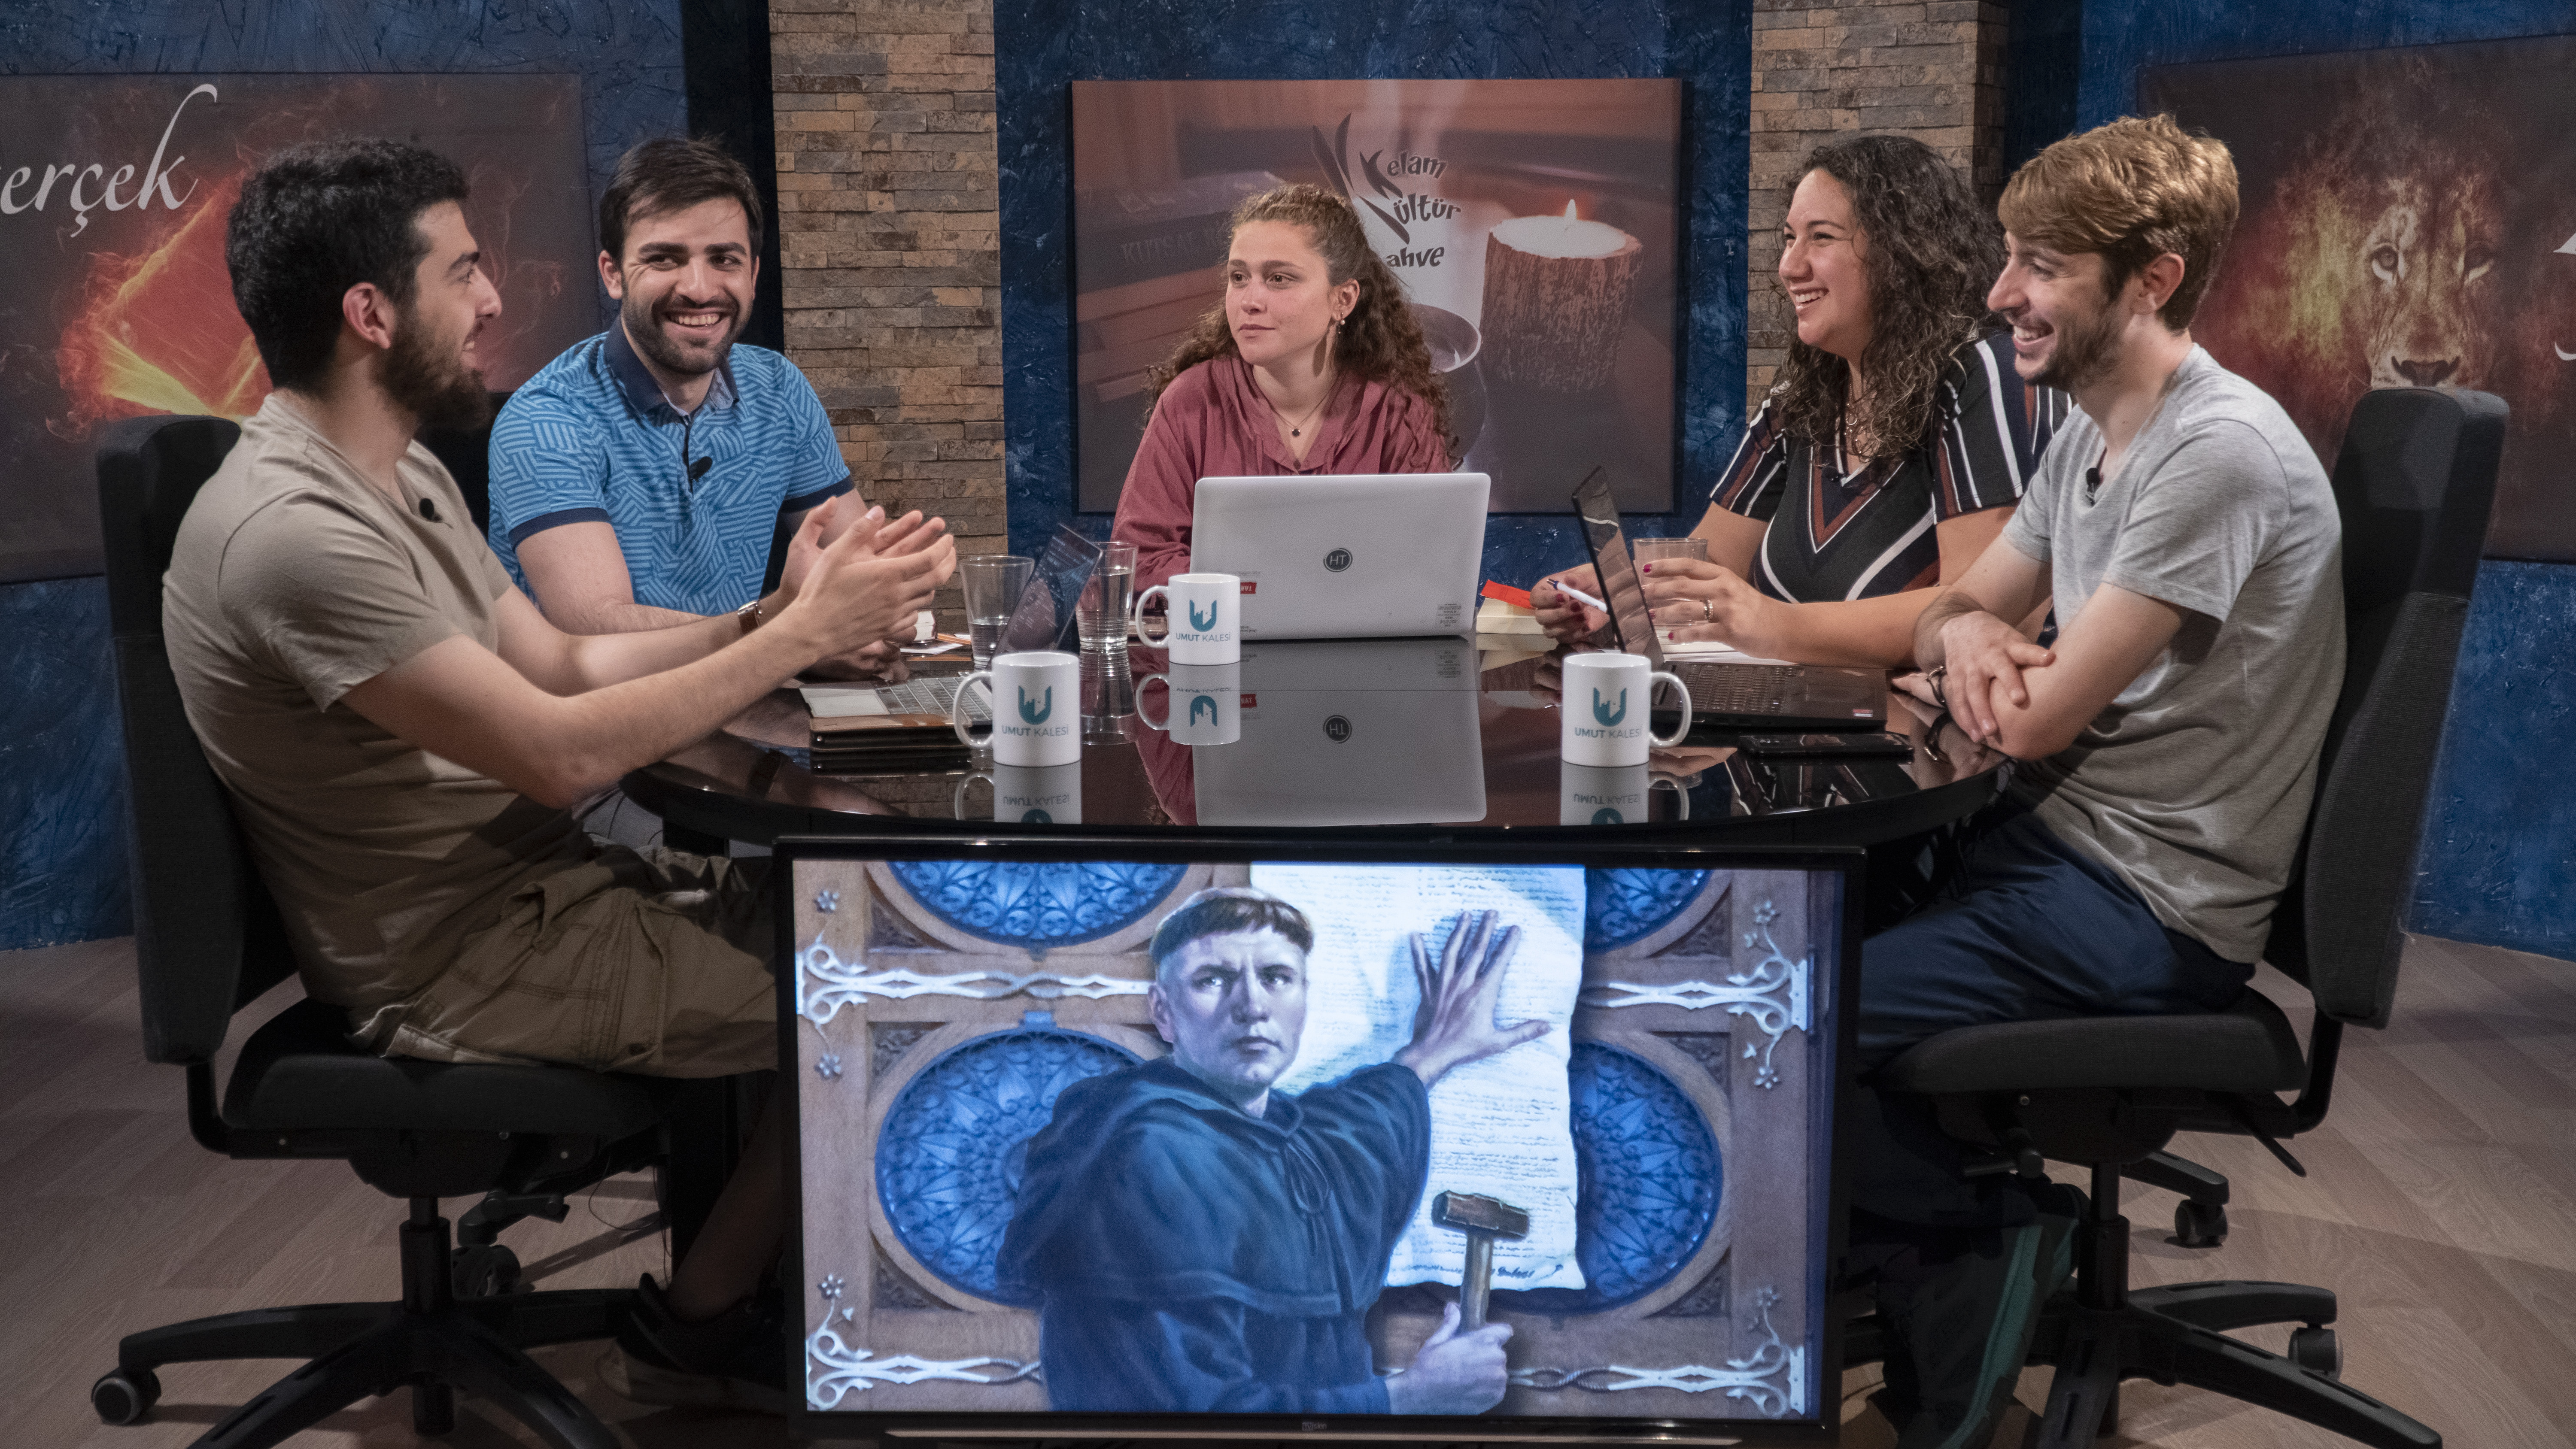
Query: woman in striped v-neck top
[1895, 443]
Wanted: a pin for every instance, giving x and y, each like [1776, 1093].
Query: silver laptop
[1350, 732]
[1353, 556]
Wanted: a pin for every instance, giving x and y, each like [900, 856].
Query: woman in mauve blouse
[1315, 364]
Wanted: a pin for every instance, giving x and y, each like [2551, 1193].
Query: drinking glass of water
[1648, 550]
[1100, 615]
[994, 584]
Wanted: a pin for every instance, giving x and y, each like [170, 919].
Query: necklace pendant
[1296, 432]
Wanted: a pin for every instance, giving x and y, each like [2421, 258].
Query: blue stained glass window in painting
[1624, 906]
[1037, 904]
[1647, 1180]
[949, 1156]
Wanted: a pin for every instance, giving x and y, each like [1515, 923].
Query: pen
[1580, 597]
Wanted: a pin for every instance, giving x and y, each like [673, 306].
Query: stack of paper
[1493, 616]
[860, 729]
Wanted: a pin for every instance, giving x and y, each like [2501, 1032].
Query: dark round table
[1340, 750]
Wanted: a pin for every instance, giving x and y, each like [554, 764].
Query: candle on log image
[1556, 300]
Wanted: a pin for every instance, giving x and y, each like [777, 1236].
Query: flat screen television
[1278, 1137]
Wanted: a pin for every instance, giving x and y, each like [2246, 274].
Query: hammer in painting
[1482, 1219]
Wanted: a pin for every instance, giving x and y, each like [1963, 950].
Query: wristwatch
[751, 616]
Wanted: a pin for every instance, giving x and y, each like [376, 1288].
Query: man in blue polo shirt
[637, 480]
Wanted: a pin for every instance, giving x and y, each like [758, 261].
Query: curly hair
[316, 220]
[1380, 340]
[1931, 253]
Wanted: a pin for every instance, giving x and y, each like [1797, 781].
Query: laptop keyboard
[1738, 689]
[932, 694]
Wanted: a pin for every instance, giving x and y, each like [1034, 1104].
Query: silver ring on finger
[1707, 612]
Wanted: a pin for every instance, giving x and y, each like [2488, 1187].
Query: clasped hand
[863, 581]
[1982, 662]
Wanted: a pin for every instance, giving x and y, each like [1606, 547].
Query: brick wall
[889, 221]
[1930, 69]
[889, 230]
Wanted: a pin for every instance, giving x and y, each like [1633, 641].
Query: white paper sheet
[1501, 1127]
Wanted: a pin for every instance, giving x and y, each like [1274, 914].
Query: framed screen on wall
[1533, 225]
[115, 301]
[1130, 1139]
[2409, 220]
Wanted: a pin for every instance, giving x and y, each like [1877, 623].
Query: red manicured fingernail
[1650, 568]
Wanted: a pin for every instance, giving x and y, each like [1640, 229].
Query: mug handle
[1681, 792]
[1136, 613]
[956, 706]
[1165, 724]
[1659, 741]
[957, 799]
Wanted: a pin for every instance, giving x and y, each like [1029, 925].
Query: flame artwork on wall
[115, 300]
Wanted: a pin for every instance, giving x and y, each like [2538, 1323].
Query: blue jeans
[2026, 928]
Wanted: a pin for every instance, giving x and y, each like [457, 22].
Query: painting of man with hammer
[1201, 1243]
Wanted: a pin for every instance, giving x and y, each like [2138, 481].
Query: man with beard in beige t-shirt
[402, 732]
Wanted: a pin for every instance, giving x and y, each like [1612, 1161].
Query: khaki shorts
[655, 962]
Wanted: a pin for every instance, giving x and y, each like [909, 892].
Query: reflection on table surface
[1347, 733]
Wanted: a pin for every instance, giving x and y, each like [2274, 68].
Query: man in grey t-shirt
[2189, 542]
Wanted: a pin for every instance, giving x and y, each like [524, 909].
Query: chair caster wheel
[485, 1272]
[123, 1398]
[2199, 1225]
[2316, 1350]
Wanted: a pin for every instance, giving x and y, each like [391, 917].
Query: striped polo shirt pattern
[1838, 536]
[591, 437]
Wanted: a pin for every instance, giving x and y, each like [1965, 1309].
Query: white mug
[1610, 794]
[1206, 705]
[1037, 708]
[1605, 707]
[1029, 794]
[1204, 622]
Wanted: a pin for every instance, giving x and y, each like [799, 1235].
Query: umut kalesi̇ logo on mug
[1204, 622]
[1033, 714]
[1605, 707]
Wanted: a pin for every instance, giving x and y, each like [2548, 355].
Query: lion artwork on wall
[2403, 213]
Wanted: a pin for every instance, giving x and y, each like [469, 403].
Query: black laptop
[1725, 698]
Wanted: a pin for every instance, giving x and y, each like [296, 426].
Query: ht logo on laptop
[1200, 702]
[1607, 715]
[1203, 622]
[1037, 713]
[1338, 560]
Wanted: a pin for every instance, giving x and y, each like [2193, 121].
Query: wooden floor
[2440, 1205]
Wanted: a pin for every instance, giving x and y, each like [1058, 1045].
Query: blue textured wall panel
[2499, 853]
[2118, 39]
[62, 782]
[2499, 844]
[1041, 46]
[627, 52]
[62, 807]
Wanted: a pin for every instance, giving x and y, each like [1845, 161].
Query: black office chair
[208, 941]
[467, 456]
[2413, 484]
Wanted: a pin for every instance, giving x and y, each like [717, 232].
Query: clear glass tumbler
[1100, 615]
[1648, 550]
[994, 584]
